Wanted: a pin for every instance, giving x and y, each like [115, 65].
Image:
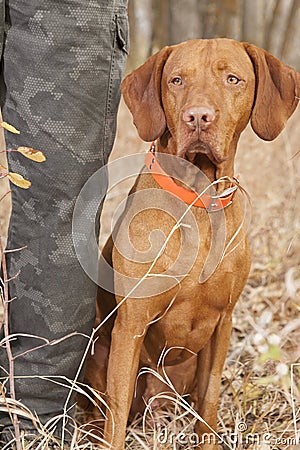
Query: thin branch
[16, 249]
[3, 197]
[9, 150]
[46, 342]
[7, 280]
[5, 300]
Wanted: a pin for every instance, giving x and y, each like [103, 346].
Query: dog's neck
[194, 178]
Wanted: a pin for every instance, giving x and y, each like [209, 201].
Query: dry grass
[261, 380]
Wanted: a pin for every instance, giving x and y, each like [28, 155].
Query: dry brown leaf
[30, 153]
[9, 127]
[18, 180]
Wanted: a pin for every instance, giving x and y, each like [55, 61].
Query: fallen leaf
[18, 180]
[9, 127]
[30, 153]
[253, 391]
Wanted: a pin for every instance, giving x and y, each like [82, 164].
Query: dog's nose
[198, 117]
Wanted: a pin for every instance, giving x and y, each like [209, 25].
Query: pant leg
[2, 21]
[62, 65]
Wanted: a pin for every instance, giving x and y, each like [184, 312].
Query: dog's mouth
[203, 162]
[203, 156]
[192, 152]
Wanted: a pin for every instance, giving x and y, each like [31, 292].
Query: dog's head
[202, 93]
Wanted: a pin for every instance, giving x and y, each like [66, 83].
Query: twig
[5, 300]
[9, 150]
[16, 249]
[46, 341]
[6, 193]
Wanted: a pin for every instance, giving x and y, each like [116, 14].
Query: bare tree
[185, 20]
[141, 18]
[278, 26]
[271, 24]
[253, 21]
[291, 49]
[161, 24]
[229, 13]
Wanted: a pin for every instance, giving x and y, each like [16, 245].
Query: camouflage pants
[62, 63]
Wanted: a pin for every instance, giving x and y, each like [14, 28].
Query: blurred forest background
[271, 24]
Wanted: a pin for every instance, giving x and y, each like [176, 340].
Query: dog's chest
[168, 239]
[185, 326]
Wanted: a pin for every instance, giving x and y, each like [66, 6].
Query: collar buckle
[214, 204]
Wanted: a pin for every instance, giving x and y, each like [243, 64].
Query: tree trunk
[140, 17]
[229, 19]
[290, 53]
[278, 27]
[185, 21]
[161, 24]
[254, 21]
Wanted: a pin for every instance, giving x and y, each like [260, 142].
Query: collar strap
[209, 202]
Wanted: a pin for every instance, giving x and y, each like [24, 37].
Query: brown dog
[195, 99]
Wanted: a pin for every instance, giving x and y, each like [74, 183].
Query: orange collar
[209, 202]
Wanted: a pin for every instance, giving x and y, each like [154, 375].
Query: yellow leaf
[18, 180]
[2, 167]
[253, 391]
[9, 128]
[30, 153]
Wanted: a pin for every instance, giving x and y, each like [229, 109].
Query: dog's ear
[141, 90]
[277, 93]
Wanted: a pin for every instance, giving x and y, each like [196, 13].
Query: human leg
[63, 62]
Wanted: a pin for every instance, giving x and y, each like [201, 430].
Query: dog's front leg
[209, 371]
[126, 343]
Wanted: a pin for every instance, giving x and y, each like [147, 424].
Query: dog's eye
[231, 79]
[177, 81]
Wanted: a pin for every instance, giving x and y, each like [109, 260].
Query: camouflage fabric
[63, 61]
[2, 15]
